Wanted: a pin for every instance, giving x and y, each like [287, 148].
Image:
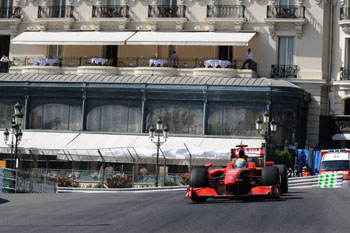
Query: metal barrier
[333, 180]
[303, 182]
[323, 181]
[117, 190]
[16, 181]
[8, 180]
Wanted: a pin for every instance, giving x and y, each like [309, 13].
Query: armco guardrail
[331, 181]
[323, 181]
[117, 190]
[303, 182]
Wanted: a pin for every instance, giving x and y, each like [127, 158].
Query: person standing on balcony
[174, 60]
[249, 60]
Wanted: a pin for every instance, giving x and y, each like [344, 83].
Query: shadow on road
[2, 201]
[284, 197]
[294, 192]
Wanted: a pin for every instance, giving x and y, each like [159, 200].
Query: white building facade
[301, 42]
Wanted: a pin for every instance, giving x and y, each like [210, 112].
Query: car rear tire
[198, 177]
[270, 176]
[283, 171]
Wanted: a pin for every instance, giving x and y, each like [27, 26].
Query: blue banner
[316, 161]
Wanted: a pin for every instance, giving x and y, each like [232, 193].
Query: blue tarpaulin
[303, 158]
[316, 161]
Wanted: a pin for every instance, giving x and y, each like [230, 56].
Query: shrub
[185, 178]
[119, 181]
[283, 157]
[67, 181]
[170, 183]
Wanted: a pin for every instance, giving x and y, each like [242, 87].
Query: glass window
[233, 121]
[287, 2]
[6, 115]
[59, 3]
[338, 165]
[169, 2]
[285, 127]
[285, 51]
[114, 118]
[179, 119]
[113, 2]
[56, 117]
[55, 51]
[347, 107]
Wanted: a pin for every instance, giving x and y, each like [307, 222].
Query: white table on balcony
[44, 61]
[157, 62]
[98, 61]
[215, 63]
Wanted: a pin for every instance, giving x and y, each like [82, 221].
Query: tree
[283, 157]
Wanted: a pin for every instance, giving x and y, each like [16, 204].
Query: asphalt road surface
[301, 210]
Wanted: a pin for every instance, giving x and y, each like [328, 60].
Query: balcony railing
[344, 73]
[56, 12]
[285, 12]
[284, 71]
[344, 13]
[167, 11]
[10, 12]
[122, 62]
[110, 11]
[225, 11]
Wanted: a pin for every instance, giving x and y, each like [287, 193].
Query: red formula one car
[234, 182]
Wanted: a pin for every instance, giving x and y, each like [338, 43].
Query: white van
[335, 168]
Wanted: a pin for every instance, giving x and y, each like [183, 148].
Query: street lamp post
[271, 126]
[162, 135]
[296, 145]
[16, 132]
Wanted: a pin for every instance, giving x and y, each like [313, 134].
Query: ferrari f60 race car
[233, 182]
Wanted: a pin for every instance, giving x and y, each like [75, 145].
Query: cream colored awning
[72, 38]
[127, 148]
[191, 38]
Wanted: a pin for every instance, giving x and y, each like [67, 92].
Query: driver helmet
[240, 163]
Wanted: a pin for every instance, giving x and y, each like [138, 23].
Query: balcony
[167, 11]
[285, 12]
[110, 14]
[286, 15]
[344, 19]
[11, 16]
[55, 12]
[129, 65]
[10, 13]
[225, 13]
[169, 14]
[55, 15]
[284, 71]
[109, 11]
